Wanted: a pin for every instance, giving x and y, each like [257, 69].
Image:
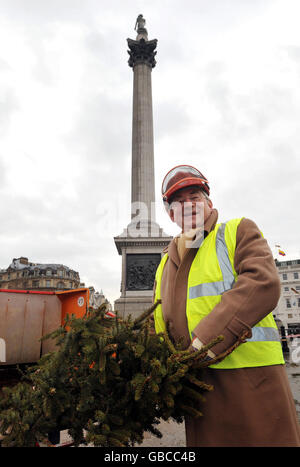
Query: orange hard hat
[180, 177]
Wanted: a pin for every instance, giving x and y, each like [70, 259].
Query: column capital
[142, 51]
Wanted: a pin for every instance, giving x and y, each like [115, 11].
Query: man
[220, 279]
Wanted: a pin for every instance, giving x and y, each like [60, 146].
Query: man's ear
[170, 211]
[171, 215]
[210, 204]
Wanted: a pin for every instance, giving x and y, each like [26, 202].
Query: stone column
[142, 242]
[142, 188]
[142, 60]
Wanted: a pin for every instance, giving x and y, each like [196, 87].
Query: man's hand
[197, 344]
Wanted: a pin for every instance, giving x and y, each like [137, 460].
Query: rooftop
[22, 263]
[287, 263]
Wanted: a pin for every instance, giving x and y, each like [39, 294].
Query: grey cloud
[251, 113]
[291, 57]
[42, 71]
[265, 189]
[102, 129]
[4, 65]
[293, 51]
[33, 11]
[9, 104]
[170, 54]
[62, 231]
[98, 44]
[220, 93]
[2, 173]
[170, 118]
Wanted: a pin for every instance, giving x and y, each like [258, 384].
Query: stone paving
[293, 370]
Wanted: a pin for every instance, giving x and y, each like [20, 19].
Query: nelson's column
[142, 241]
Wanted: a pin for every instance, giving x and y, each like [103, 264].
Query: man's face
[189, 208]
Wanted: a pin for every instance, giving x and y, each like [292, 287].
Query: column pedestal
[140, 258]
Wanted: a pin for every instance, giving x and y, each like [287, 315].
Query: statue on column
[140, 24]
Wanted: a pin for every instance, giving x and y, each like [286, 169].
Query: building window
[48, 283]
[286, 289]
[60, 285]
[290, 315]
[294, 328]
[288, 303]
[35, 283]
[296, 275]
[284, 276]
[48, 272]
[60, 273]
[297, 287]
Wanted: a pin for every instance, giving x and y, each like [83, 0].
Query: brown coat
[249, 406]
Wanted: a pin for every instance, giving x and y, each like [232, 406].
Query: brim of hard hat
[190, 181]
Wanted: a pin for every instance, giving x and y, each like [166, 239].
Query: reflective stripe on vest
[217, 253]
[217, 288]
[260, 334]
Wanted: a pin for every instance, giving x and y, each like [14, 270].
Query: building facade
[25, 275]
[98, 299]
[288, 308]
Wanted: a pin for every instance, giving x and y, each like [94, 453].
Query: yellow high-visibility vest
[211, 274]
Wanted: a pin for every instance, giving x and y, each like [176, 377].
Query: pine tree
[109, 381]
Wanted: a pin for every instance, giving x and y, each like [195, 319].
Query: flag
[282, 253]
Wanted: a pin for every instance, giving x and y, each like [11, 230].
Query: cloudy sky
[226, 99]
